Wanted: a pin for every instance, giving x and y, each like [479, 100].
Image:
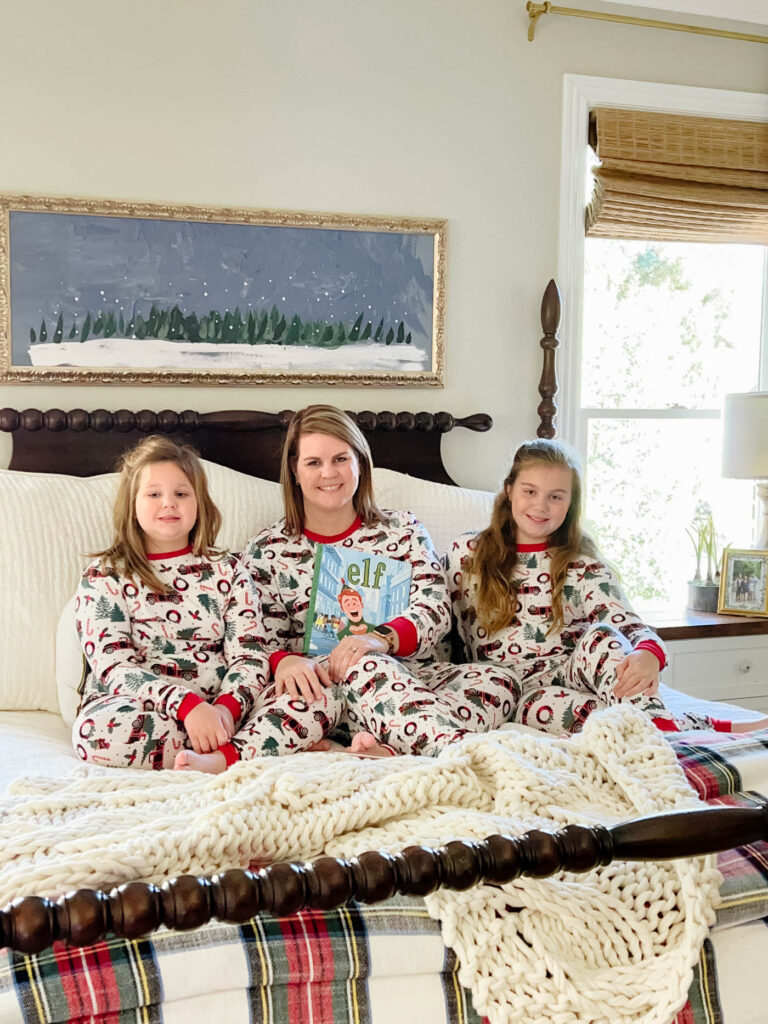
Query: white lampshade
[745, 436]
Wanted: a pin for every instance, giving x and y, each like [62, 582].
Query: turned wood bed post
[32, 923]
[551, 308]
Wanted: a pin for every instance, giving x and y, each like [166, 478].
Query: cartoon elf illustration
[351, 602]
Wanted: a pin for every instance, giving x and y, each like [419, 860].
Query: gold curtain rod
[535, 11]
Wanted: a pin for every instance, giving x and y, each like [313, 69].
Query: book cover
[352, 593]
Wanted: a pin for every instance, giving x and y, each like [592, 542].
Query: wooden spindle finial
[551, 308]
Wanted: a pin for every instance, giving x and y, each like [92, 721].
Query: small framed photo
[744, 583]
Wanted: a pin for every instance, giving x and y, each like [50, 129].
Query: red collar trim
[532, 547]
[170, 554]
[320, 538]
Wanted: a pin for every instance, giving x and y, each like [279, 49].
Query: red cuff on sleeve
[654, 648]
[722, 724]
[665, 725]
[232, 704]
[230, 752]
[277, 657]
[190, 701]
[407, 635]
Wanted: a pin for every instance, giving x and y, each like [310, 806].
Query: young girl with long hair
[532, 594]
[385, 684]
[170, 625]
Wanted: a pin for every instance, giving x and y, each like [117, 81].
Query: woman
[387, 684]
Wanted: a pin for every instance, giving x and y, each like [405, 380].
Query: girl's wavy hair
[126, 555]
[492, 563]
[326, 419]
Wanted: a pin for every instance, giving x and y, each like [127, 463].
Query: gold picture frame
[113, 292]
[743, 582]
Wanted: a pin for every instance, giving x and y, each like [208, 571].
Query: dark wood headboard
[82, 443]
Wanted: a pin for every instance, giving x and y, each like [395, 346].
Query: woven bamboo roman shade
[678, 178]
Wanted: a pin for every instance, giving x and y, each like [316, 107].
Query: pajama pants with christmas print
[413, 713]
[559, 700]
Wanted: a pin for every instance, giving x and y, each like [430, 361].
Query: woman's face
[328, 472]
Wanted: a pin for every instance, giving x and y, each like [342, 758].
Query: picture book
[352, 593]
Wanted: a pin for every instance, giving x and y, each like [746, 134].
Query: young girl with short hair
[170, 625]
[532, 594]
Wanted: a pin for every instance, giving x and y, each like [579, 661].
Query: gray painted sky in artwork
[74, 263]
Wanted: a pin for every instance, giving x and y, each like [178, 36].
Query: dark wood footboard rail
[81, 918]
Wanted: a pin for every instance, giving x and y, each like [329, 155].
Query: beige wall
[408, 107]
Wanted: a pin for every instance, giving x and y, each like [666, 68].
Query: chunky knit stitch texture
[614, 946]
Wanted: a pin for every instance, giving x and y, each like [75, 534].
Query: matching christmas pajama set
[153, 657]
[417, 702]
[565, 675]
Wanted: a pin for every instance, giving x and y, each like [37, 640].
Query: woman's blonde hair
[492, 563]
[326, 419]
[126, 555]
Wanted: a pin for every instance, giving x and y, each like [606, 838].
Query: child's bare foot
[320, 745]
[365, 744]
[753, 726]
[187, 760]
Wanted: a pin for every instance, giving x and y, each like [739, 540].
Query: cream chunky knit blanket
[612, 946]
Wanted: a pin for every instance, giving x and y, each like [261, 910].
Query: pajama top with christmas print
[202, 640]
[283, 566]
[591, 594]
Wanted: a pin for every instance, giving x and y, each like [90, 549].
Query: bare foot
[753, 726]
[187, 760]
[365, 744]
[320, 745]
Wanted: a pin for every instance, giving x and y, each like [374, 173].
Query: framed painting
[744, 582]
[96, 291]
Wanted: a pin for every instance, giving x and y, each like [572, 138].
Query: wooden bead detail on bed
[32, 923]
[248, 441]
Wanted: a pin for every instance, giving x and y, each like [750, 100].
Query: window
[654, 334]
[668, 329]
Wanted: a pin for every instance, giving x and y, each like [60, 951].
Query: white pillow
[247, 504]
[446, 511]
[70, 663]
[50, 526]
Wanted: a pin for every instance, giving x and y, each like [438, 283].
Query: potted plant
[703, 591]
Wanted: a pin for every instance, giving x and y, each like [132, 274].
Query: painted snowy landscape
[97, 292]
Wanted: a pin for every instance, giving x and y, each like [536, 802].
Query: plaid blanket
[379, 964]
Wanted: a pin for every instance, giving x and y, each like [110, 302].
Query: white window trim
[580, 94]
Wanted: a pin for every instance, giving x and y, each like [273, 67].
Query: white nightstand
[715, 657]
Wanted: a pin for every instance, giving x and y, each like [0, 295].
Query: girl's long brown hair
[492, 563]
[126, 554]
[326, 419]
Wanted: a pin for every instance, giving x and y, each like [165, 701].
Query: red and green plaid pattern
[362, 965]
[380, 964]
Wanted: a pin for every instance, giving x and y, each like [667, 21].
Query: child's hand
[637, 673]
[227, 719]
[206, 727]
[300, 678]
[350, 649]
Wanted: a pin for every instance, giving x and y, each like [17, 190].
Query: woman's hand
[209, 727]
[300, 678]
[637, 673]
[350, 649]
